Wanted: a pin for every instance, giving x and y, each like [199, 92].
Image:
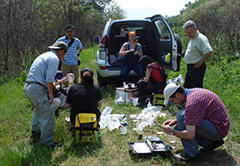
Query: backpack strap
[160, 69]
[71, 42]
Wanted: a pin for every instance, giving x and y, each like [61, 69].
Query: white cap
[169, 90]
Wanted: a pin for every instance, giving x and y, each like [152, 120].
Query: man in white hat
[205, 120]
[39, 91]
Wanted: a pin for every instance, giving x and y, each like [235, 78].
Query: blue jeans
[126, 68]
[205, 133]
[43, 116]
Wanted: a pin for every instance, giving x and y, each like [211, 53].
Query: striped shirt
[204, 104]
[70, 57]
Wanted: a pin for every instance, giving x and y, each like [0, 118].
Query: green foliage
[218, 20]
[28, 27]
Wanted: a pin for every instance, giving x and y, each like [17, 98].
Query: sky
[146, 8]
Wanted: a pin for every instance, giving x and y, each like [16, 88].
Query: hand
[131, 50]
[169, 122]
[136, 53]
[197, 65]
[65, 79]
[55, 84]
[50, 95]
[167, 129]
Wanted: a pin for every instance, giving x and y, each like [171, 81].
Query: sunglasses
[69, 31]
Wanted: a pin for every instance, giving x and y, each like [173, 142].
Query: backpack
[161, 71]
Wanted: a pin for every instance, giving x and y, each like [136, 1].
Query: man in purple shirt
[205, 120]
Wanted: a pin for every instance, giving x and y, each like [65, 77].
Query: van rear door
[165, 43]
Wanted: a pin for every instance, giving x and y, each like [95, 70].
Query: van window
[163, 30]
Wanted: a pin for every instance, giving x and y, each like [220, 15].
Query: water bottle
[123, 128]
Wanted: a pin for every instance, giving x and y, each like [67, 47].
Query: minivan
[153, 33]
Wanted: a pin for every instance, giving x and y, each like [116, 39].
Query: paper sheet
[141, 147]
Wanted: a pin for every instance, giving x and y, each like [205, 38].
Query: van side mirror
[96, 39]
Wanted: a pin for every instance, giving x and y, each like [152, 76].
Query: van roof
[131, 20]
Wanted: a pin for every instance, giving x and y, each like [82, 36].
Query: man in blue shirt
[39, 91]
[70, 61]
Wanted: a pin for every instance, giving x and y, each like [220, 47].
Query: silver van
[153, 33]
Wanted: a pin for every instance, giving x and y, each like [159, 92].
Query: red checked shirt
[204, 104]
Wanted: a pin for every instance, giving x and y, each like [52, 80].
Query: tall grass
[17, 149]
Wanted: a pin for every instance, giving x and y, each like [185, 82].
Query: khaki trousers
[70, 69]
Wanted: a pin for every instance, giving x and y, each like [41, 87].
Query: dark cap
[87, 69]
[69, 26]
[59, 45]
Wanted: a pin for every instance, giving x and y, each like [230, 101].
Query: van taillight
[103, 40]
[103, 67]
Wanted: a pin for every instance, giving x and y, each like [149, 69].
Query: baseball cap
[169, 90]
[58, 45]
[132, 33]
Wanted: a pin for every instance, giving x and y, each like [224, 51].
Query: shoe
[213, 145]
[54, 145]
[35, 135]
[183, 156]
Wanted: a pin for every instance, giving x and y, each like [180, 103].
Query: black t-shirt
[83, 99]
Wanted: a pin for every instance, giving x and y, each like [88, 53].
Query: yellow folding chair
[158, 99]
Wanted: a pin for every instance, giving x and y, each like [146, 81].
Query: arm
[50, 91]
[99, 104]
[139, 53]
[62, 81]
[147, 76]
[204, 58]
[189, 133]
[123, 51]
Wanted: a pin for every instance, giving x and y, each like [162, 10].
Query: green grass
[16, 148]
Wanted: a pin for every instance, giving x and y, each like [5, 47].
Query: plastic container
[123, 128]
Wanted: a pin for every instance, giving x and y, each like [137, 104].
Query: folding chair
[158, 99]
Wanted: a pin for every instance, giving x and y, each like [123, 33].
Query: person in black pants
[197, 53]
[153, 82]
[84, 97]
[132, 51]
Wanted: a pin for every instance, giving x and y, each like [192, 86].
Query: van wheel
[179, 44]
[101, 80]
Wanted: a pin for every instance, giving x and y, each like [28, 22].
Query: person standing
[197, 53]
[70, 62]
[132, 51]
[38, 89]
[205, 120]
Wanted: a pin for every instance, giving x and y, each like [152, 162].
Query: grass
[16, 148]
